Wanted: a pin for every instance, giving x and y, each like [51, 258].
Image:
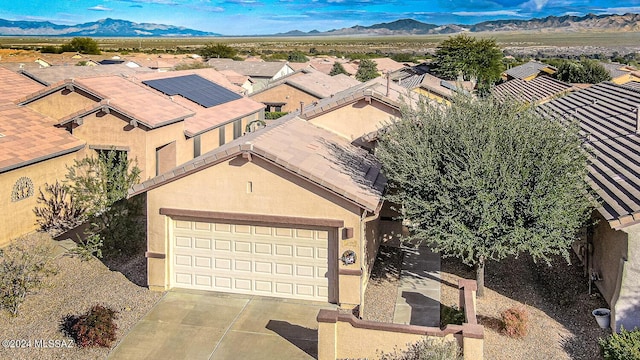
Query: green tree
[83, 45]
[483, 180]
[469, 57]
[584, 72]
[99, 185]
[212, 50]
[367, 70]
[297, 57]
[338, 69]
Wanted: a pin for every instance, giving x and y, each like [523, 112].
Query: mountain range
[123, 28]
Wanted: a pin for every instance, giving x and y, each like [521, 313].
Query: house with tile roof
[261, 72]
[325, 64]
[609, 120]
[621, 73]
[158, 129]
[54, 74]
[536, 91]
[306, 86]
[528, 71]
[358, 113]
[33, 152]
[238, 218]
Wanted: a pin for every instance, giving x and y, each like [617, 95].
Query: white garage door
[250, 259]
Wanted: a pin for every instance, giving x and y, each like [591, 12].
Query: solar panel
[195, 88]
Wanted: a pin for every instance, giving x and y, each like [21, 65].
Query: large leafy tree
[83, 45]
[586, 71]
[483, 180]
[337, 69]
[470, 58]
[367, 70]
[212, 50]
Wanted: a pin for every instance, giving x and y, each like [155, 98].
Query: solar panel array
[195, 88]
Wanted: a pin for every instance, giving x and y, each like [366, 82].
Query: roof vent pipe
[638, 120]
[301, 107]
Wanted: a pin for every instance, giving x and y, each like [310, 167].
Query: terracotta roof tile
[30, 137]
[135, 100]
[539, 89]
[54, 74]
[15, 86]
[528, 69]
[262, 69]
[313, 153]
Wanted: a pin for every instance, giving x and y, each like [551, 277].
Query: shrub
[97, 327]
[515, 322]
[622, 346]
[427, 349]
[274, 115]
[451, 315]
[56, 211]
[23, 266]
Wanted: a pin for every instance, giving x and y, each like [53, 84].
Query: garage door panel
[250, 259]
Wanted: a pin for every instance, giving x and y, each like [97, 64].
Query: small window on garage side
[221, 135]
[197, 147]
[237, 129]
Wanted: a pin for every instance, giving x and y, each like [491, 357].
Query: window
[196, 146]
[237, 129]
[221, 135]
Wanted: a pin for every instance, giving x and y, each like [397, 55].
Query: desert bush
[23, 266]
[622, 346]
[56, 211]
[96, 327]
[515, 322]
[274, 115]
[451, 315]
[427, 349]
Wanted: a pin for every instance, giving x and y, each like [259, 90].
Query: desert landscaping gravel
[556, 298]
[75, 287]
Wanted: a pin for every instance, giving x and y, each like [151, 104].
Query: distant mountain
[100, 28]
[589, 22]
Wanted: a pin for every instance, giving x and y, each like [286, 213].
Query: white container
[603, 317]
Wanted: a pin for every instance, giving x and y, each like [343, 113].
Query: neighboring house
[273, 214]
[237, 79]
[261, 72]
[432, 87]
[610, 122]
[307, 86]
[161, 62]
[32, 152]
[358, 113]
[536, 91]
[528, 71]
[387, 65]
[621, 73]
[161, 121]
[54, 74]
[325, 65]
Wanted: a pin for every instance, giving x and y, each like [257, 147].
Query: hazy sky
[244, 17]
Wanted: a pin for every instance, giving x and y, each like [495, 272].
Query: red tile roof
[315, 154]
[29, 137]
[14, 86]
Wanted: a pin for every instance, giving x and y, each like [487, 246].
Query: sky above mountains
[248, 17]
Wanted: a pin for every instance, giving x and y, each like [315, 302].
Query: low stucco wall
[342, 335]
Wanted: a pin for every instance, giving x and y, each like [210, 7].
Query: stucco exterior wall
[286, 94]
[61, 103]
[609, 246]
[275, 192]
[432, 95]
[17, 217]
[626, 302]
[353, 121]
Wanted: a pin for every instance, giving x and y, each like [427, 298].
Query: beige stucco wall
[104, 130]
[353, 121]
[61, 103]
[210, 140]
[17, 218]
[626, 302]
[223, 188]
[609, 246]
[432, 95]
[286, 94]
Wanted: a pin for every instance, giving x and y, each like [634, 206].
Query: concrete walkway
[418, 301]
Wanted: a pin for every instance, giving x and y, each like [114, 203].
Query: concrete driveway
[195, 325]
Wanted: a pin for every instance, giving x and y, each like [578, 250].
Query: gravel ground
[382, 290]
[76, 287]
[560, 322]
